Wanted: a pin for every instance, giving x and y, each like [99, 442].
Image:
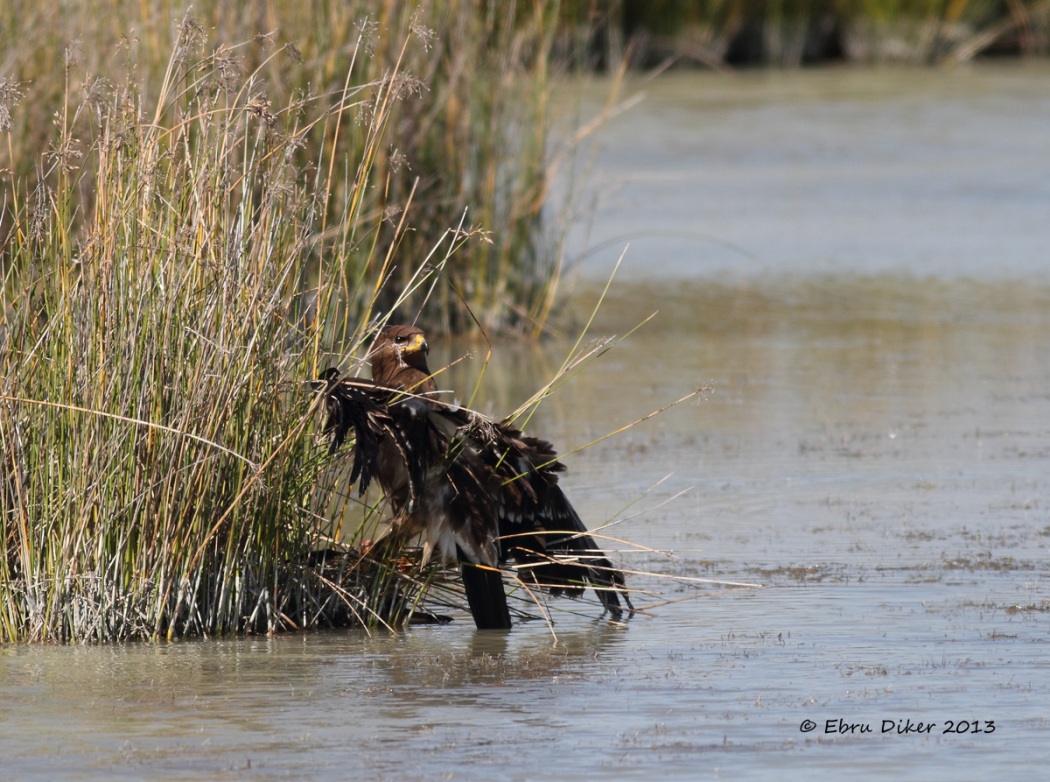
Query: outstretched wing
[481, 491]
[538, 527]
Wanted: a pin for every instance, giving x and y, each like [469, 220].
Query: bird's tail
[486, 596]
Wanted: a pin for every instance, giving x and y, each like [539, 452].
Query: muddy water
[870, 451]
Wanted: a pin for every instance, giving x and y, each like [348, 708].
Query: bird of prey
[478, 491]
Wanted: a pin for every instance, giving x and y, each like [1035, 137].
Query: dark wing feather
[364, 408]
[538, 527]
[573, 557]
[547, 531]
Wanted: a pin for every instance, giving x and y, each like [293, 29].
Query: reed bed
[464, 141]
[192, 241]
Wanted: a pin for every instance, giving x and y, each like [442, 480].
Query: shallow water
[941, 172]
[871, 449]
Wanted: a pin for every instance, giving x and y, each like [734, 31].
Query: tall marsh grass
[185, 240]
[465, 136]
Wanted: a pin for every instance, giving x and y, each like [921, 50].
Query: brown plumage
[479, 491]
[399, 360]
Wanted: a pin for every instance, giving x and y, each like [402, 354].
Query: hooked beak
[419, 342]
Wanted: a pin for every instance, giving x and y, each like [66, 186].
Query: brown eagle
[480, 492]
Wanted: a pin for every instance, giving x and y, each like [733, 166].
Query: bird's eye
[399, 339]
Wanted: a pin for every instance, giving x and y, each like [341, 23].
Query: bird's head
[397, 348]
